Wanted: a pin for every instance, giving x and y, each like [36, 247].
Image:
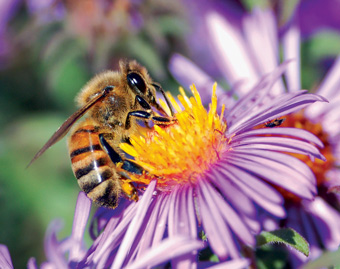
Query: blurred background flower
[49, 49]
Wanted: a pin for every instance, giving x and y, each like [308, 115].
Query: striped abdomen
[92, 166]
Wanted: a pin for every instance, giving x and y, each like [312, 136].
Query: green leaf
[285, 236]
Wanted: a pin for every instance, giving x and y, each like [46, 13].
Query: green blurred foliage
[271, 256]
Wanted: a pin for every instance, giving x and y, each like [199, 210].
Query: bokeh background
[50, 48]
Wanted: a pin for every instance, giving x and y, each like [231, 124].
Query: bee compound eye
[136, 81]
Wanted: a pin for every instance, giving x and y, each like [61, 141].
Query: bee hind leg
[127, 187]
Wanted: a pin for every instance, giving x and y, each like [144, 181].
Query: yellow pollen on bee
[179, 153]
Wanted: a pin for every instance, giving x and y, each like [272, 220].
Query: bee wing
[66, 126]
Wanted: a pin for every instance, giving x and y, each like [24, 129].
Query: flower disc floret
[178, 154]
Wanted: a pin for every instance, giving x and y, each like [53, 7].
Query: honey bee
[114, 102]
[275, 123]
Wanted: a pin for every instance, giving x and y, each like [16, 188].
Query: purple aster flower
[256, 47]
[71, 252]
[209, 172]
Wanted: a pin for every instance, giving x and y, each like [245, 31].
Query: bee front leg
[156, 105]
[141, 114]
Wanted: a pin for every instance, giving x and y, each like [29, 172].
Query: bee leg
[157, 106]
[129, 190]
[144, 104]
[114, 156]
[132, 167]
[127, 187]
[141, 114]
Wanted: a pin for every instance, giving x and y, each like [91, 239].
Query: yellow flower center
[180, 153]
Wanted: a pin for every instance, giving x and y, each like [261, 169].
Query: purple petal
[264, 164]
[173, 211]
[239, 200]
[330, 85]
[230, 48]
[103, 215]
[260, 30]
[218, 233]
[156, 224]
[162, 220]
[255, 183]
[187, 73]
[279, 144]
[134, 226]
[112, 235]
[53, 252]
[284, 131]
[329, 88]
[182, 223]
[327, 221]
[293, 163]
[309, 232]
[231, 217]
[32, 264]
[275, 110]
[245, 182]
[5, 257]
[255, 97]
[144, 231]
[169, 248]
[82, 213]
[236, 197]
[291, 51]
